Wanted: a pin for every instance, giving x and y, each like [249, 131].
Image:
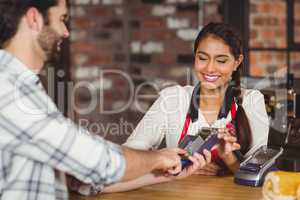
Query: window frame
[242, 23]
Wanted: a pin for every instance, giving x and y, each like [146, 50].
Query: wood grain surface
[194, 187]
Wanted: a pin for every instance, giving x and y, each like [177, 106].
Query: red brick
[256, 44]
[253, 34]
[279, 8]
[165, 59]
[164, 35]
[253, 8]
[141, 11]
[83, 47]
[258, 21]
[281, 56]
[280, 33]
[265, 7]
[256, 71]
[264, 57]
[272, 21]
[268, 34]
[179, 46]
[98, 59]
[83, 23]
[156, 35]
[97, 11]
[153, 23]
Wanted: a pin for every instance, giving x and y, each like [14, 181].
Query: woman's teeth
[211, 78]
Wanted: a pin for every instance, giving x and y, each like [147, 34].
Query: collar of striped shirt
[15, 67]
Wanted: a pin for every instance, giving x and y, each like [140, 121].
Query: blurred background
[121, 53]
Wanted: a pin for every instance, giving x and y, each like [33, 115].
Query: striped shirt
[39, 146]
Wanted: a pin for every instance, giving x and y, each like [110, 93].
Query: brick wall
[125, 51]
[267, 22]
[295, 56]
[268, 30]
[297, 21]
[268, 63]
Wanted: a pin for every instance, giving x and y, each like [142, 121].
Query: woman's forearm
[145, 180]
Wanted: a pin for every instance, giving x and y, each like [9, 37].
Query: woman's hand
[228, 143]
[210, 169]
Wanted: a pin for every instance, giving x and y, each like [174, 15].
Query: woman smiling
[217, 101]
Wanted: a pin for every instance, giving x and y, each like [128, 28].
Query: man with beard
[38, 145]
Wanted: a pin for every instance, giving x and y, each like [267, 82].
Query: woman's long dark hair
[231, 37]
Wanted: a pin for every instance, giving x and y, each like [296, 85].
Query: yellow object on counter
[282, 185]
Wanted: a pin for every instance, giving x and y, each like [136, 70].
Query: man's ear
[238, 62]
[34, 20]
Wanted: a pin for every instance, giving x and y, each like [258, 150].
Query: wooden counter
[195, 187]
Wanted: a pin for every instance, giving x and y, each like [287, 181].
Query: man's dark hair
[11, 12]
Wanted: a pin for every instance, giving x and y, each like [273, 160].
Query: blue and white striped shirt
[38, 145]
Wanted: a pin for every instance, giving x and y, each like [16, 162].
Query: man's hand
[169, 160]
[139, 162]
[198, 162]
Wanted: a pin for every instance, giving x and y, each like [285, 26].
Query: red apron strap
[185, 127]
[233, 110]
[229, 125]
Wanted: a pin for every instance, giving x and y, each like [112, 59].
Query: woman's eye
[222, 61]
[203, 59]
